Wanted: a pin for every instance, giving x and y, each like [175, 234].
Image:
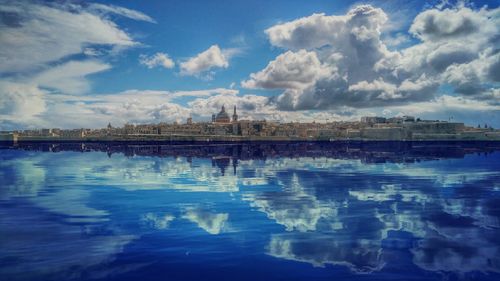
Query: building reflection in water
[366, 152]
[358, 206]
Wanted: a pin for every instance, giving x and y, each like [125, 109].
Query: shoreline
[238, 142]
[204, 139]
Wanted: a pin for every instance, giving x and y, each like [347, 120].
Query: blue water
[380, 211]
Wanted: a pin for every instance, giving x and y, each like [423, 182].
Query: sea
[250, 211]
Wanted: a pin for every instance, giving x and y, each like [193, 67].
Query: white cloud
[472, 78]
[148, 106]
[461, 22]
[41, 48]
[450, 103]
[319, 30]
[212, 223]
[294, 208]
[255, 107]
[135, 106]
[157, 221]
[347, 46]
[248, 106]
[132, 14]
[294, 70]
[363, 73]
[396, 40]
[211, 58]
[461, 109]
[379, 91]
[457, 41]
[21, 103]
[47, 33]
[158, 59]
[29, 182]
[380, 87]
[70, 77]
[362, 257]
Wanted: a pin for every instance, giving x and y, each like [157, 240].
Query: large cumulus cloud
[290, 70]
[319, 30]
[455, 46]
[442, 25]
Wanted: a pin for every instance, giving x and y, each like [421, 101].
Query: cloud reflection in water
[330, 206]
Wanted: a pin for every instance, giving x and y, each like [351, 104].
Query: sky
[83, 64]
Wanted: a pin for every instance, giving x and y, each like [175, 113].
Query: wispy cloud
[157, 60]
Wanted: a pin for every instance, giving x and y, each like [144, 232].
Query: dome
[222, 116]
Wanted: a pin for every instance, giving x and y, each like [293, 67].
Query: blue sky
[84, 64]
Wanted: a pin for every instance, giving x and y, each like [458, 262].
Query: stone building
[372, 120]
[223, 116]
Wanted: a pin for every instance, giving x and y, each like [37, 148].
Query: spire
[235, 116]
[223, 109]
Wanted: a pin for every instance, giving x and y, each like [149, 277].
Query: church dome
[222, 116]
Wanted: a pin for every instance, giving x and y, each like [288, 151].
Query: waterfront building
[368, 128]
[408, 119]
[373, 120]
[395, 120]
[74, 133]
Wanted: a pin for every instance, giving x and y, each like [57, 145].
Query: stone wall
[434, 127]
[8, 137]
[385, 133]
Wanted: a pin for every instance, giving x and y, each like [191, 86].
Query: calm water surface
[386, 211]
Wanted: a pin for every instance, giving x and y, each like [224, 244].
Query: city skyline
[73, 64]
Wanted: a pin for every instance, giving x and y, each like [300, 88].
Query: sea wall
[365, 134]
[434, 127]
[9, 137]
[396, 133]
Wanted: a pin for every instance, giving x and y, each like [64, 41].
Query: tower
[109, 129]
[235, 116]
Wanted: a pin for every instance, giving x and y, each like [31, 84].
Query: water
[377, 211]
